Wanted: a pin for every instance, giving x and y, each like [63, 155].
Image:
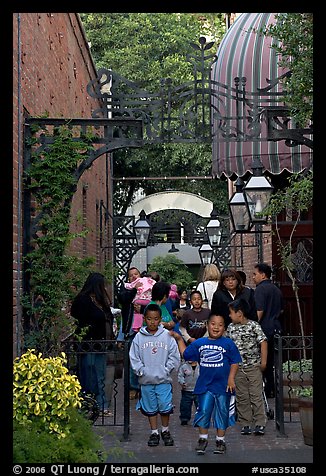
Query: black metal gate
[115, 385]
[291, 352]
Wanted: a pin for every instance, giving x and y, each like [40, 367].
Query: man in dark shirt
[269, 305]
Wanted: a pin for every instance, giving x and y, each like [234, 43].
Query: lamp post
[142, 229]
[128, 238]
[214, 230]
[206, 254]
[257, 191]
[214, 233]
[239, 211]
[248, 203]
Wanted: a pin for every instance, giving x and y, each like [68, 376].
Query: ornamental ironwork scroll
[186, 112]
[174, 113]
[131, 116]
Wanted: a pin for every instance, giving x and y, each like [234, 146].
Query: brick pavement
[270, 448]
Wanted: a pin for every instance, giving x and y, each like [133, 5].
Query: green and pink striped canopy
[239, 127]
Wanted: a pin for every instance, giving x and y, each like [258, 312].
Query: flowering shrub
[44, 390]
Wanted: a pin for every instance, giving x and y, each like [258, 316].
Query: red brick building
[52, 66]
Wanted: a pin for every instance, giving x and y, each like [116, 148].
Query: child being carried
[143, 297]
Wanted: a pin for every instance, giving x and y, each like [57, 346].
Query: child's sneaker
[201, 446]
[259, 430]
[220, 447]
[154, 439]
[167, 438]
[246, 430]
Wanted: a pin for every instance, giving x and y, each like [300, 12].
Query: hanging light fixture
[257, 191]
[238, 206]
[206, 254]
[173, 249]
[214, 230]
[142, 229]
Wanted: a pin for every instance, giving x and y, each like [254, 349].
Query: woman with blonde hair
[208, 286]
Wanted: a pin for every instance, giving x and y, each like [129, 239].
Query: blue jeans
[92, 368]
[134, 384]
[133, 378]
[187, 400]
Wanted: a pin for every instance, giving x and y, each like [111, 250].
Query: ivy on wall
[54, 275]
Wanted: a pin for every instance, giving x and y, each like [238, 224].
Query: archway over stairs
[173, 200]
[178, 216]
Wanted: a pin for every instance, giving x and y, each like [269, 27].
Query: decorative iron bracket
[278, 122]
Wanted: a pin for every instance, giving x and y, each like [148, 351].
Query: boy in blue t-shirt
[219, 359]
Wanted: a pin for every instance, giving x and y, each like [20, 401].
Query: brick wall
[250, 252]
[52, 66]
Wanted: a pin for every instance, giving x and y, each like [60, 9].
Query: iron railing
[116, 356]
[293, 368]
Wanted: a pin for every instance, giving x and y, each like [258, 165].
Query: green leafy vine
[54, 274]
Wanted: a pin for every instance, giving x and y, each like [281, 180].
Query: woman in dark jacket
[125, 298]
[229, 288]
[127, 333]
[92, 310]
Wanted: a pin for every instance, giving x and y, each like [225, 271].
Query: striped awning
[245, 80]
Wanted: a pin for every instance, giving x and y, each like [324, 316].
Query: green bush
[303, 391]
[33, 443]
[303, 365]
[48, 425]
[173, 270]
[44, 390]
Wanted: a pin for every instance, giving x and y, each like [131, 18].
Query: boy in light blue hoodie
[153, 355]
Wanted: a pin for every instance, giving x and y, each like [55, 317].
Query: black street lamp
[173, 249]
[206, 254]
[239, 211]
[142, 229]
[257, 191]
[214, 230]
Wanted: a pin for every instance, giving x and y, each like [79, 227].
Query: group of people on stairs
[219, 339]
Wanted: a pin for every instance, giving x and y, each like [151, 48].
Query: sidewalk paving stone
[270, 448]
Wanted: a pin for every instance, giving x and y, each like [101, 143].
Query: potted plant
[297, 374]
[305, 403]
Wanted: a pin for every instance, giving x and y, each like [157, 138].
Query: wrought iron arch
[185, 113]
[130, 116]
